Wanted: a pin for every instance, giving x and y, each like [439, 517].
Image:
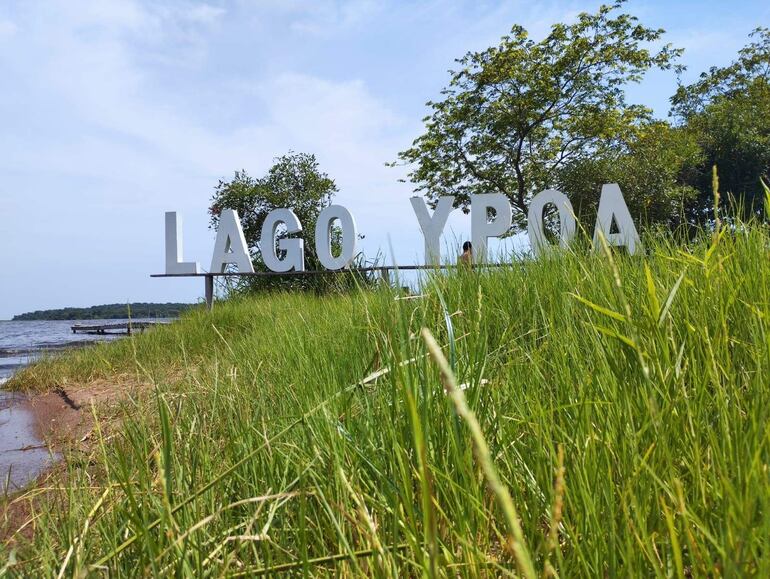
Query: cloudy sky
[114, 111]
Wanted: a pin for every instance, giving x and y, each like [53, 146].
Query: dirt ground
[64, 419]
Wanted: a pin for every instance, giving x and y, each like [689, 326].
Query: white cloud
[97, 80]
[329, 18]
[98, 140]
[7, 29]
[204, 14]
[321, 17]
[115, 110]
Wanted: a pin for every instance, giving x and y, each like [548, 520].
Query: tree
[516, 113]
[652, 167]
[293, 181]
[728, 112]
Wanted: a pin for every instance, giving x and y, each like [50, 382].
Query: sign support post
[209, 292]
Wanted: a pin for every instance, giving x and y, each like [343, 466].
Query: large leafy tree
[515, 114]
[294, 181]
[652, 166]
[728, 112]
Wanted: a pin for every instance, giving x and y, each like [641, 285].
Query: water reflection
[22, 455]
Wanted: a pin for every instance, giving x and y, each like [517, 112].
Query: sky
[115, 111]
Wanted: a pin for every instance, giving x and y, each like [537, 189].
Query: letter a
[613, 206]
[230, 246]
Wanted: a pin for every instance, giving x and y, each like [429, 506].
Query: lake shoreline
[24, 452]
[56, 423]
[38, 427]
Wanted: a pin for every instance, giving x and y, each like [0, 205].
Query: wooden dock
[116, 328]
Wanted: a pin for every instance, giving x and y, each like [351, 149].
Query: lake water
[23, 342]
[22, 454]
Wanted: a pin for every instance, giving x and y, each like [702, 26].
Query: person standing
[466, 259]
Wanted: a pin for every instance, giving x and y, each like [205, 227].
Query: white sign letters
[230, 246]
[482, 228]
[613, 206]
[432, 226]
[294, 248]
[567, 223]
[323, 237]
[174, 263]
[490, 217]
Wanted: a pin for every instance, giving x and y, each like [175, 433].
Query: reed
[587, 414]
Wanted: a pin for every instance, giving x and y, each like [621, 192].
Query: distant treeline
[108, 312]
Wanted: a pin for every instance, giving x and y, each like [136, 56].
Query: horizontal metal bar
[326, 271]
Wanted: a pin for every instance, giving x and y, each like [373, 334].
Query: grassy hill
[595, 416]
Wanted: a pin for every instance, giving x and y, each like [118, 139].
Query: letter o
[323, 237]
[567, 225]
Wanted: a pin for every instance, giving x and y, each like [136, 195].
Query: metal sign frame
[383, 270]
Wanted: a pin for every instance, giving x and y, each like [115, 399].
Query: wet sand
[34, 429]
[23, 455]
[38, 430]
[62, 420]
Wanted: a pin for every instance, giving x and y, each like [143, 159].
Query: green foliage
[728, 112]
[294, 181]
[525, 116]
[109, 312]
[513, 115]
[651, 166]
[607, 416]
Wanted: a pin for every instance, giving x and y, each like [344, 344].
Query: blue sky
[115, 111]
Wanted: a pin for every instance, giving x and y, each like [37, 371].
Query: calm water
[22, 454]
[23, 342]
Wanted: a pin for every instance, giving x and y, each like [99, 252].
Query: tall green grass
[581, 415]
